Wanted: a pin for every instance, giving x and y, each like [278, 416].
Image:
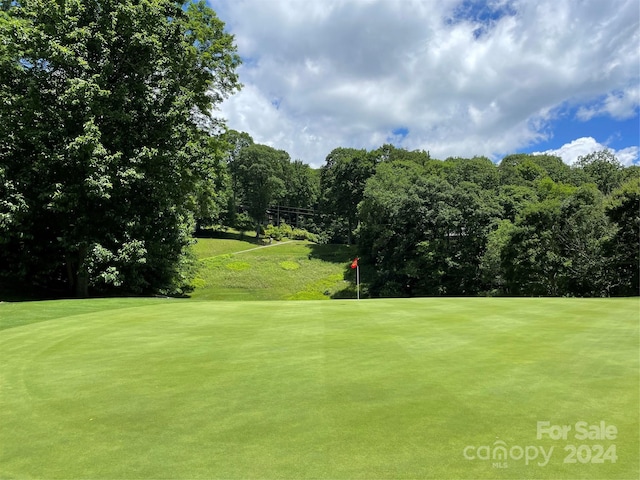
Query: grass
[234, 269]
[230, 243]
[394, 388]
[234, 266]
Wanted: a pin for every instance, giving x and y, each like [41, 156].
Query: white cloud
[619, 105]
[320, 74]
[580, 147]
[628, 156]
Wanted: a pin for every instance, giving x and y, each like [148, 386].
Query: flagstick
[358, 280]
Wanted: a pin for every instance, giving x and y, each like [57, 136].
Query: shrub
[286, 231]
[273, 232]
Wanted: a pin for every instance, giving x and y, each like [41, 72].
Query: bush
[273, 232]
[286, 231]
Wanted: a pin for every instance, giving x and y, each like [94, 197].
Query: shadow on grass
[343, 254]
[28, 293]
[333, 253]
[22, 293]
[249, 237]
[350, 290]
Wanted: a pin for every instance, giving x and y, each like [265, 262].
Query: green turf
[291, 270]
[209, 247]
[163, 388]
[14, 314]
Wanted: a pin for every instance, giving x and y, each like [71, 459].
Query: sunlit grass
[237, 270]
[379, 389]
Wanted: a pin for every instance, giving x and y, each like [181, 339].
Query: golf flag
[354, 264]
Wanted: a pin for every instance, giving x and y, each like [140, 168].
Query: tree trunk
[82, 278]
[77, 273]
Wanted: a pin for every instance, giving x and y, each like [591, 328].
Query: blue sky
[620, 135]
[454, 77]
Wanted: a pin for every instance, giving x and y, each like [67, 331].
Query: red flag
[354, 264]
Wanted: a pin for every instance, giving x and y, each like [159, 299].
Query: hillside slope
[240, 269]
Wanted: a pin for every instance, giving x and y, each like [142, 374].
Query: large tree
[259, 173]
[302, 185]
[102, 104]
[623, 254]
[526, 168]
[603, 169]
[479, 170]
[342, 183]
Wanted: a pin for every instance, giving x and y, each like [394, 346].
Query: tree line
[531, 225]
[110, 161]
[528, 225]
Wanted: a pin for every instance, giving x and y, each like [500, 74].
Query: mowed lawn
[371, 389]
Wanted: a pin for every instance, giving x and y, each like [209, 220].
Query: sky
[457, 78]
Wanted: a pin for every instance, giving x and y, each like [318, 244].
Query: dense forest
[529, 225]
[110, 163]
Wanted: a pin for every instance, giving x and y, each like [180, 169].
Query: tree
[478, 170]
[390, 153]
[602, 168]
[259, 172]
[212, 195]
[390, 216]
[302, 185]
[342, 183]
[554, 167]
[622, 251]
[556, 245]
[514, 198]
[524, 168]
[519, 169]
[234, 142]
[631, 172]
[99, 128]
[491, 265]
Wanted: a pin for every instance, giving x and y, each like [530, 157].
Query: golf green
[373, 389]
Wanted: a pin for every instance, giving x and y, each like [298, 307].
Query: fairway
[373, 389]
